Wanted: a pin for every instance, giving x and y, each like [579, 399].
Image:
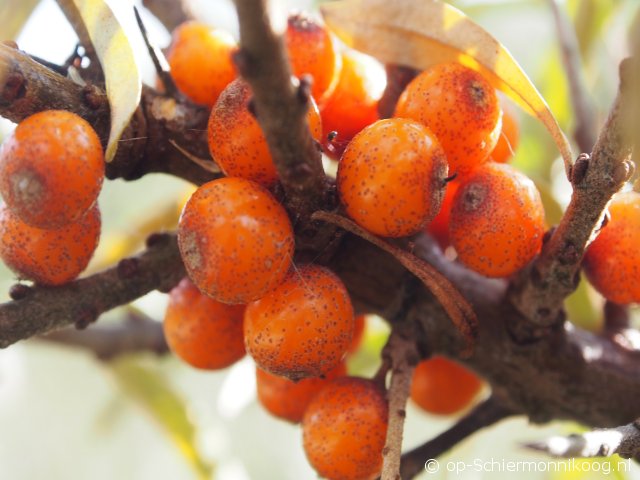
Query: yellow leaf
[13, 15]
[121, 72]
[422, 33]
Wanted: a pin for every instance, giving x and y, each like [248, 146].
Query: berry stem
[281, 105]
[540, 291]
[404, 357]
[485, 414]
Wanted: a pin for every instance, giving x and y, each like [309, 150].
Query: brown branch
[585, 132]
[485, 414]
[171, 13]
[623, 441]
[42, 309]
[281, 106]
[136, 333]
[404, 357]
[398, 77]
[27, 87]
[540, 291]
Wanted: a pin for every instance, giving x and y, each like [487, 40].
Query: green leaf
[122, 76]
[13, 16]
[150, 390]
[422, 33]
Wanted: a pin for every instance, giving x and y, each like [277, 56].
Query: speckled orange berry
[236, 141]
[358, 333]
[235, 239]
[353, 104]
[497, 220]
[200, 61]
[612, 261]
[201, 331]
[344, 429]
[302, 328]
[288, 400]
[391, 178]
[312, 51]
[460, 107]
[509, 134]
[51, 169]
[442, 386]
[48, 257]
[439, 226]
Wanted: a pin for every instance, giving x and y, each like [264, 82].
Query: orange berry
[235, 239]
[497, 220]
[51, 169]
[302, 328]
[391, 177]
[201, 331]
[354, 103]
[439, 226]
[200, 61]
[48, 257]
[612, 261]
[460, 107]
[358, 333]
[312, 51]
[443, 387]
[510, 133]
[288, 400]
[344, 429]
[236, 141]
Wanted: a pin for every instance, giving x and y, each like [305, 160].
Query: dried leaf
[122, 76]
[422, 33]
[459, 310]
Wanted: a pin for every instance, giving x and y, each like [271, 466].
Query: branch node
[19, 291]
[579, 168]
[128, 267]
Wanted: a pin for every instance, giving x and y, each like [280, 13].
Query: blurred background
[65, 414]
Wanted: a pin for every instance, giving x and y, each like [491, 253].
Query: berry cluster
[51, 172]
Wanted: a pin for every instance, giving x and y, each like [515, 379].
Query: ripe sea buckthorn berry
[497, 220]
[439, 226]
[200, 61]
[443, 387]
[510, 133]
[344, 429]
[391, 177]
[288, 400]
[302, 328]
[460, 107]
[48, 257]
[235, 239]
[312, 51]
[51, 169]
[236, 141]
[201, 331]
[354, 103]
[612, 261]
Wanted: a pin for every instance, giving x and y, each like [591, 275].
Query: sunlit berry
[201, 331]
[509, 135]
[391, 178]
[461, 108]
[235, 239]
[497, 220]
[236, 140]
[344, 429]
[302, 328]
[612, 261]
[312, 51]
[439, 226]
[443, 387]
[288, 400]
[51, 169]
[354, 103]
[52, 256]
[200, 61]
